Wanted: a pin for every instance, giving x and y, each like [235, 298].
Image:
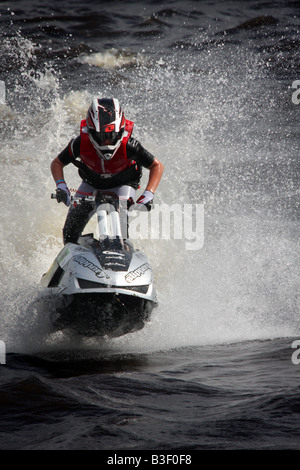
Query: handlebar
[131, 205]
[77, 200]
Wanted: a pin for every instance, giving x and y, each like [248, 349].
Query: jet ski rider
[108, 158]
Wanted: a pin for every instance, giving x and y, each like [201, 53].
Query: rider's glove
[63, 193]
[146, 199]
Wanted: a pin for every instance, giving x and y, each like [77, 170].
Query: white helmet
[105, 124]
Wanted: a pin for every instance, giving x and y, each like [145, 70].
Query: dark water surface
[224, 397]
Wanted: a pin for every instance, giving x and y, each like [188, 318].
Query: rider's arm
[156, 170]
[57, 169]
[144, 158]
[65, 157]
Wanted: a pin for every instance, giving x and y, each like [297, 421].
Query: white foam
[241, 285]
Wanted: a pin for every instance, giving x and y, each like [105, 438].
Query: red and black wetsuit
[125, 168]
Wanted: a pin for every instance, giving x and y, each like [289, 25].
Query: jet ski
[101, 286]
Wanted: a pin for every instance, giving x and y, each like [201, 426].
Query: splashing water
[242, 284]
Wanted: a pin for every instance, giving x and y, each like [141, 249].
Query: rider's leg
[78, 216]
[125, 193]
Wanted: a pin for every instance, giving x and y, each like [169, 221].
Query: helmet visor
[106, 138]
[105, 150]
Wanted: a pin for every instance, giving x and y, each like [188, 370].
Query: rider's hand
[146, 199]
[63, 193]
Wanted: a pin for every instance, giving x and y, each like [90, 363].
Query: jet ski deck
[101, 286]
